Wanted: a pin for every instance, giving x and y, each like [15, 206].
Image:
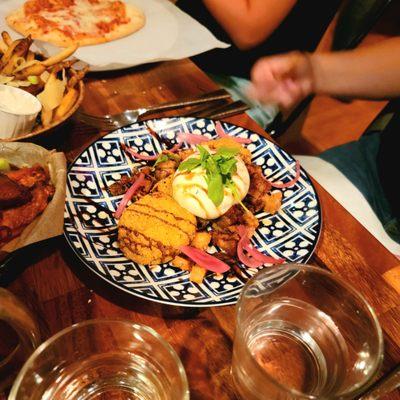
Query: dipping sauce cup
[18, 111]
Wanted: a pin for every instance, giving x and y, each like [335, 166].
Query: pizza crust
[24, 26]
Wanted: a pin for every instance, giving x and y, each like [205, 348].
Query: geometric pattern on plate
[91, 229]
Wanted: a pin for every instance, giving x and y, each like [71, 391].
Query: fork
[111, 122]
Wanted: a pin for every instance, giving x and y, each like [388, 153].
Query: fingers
[283, 80]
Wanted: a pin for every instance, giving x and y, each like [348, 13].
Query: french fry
[46, 116]
[32, 70]
[63, 65]
[77, 76]
[57, 91]
[62, 55]
[66, 103]
[6, 38]
[30, 56]
[18, 49]
[8, 54]
[10, 66]
[3, 47]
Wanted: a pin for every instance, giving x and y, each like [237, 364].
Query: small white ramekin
[17, 122]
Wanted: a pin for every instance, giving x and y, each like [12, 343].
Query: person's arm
[366, 72]
[249, 22]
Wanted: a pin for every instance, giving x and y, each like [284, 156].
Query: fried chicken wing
[11, 193]
[29, 176]
[36, 181]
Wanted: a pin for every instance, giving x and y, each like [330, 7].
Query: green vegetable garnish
[33, 79]
[4, 165]
[219, 169]
[161, 158]
[165, 157]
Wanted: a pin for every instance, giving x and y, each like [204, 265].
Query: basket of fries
[54, 81]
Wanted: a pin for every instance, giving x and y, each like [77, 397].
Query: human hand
[283, 79]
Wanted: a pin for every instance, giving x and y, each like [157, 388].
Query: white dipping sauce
[18, 111]
[18, 101]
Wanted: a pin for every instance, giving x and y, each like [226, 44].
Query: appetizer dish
[83, 22]
[24, 194]
[191, 198]
[183, 210]
[54, 81]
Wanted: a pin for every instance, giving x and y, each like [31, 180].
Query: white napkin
[349, 197]
[169, 34]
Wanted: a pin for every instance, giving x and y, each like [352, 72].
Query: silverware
[237, 107]
[383, 386]
[198, 110]
[111, 122]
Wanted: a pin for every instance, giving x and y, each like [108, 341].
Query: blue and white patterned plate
[91, 231]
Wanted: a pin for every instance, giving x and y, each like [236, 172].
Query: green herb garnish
[219, 169]
[165, 157]
[33, 79]
[4, 165]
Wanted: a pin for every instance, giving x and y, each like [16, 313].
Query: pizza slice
[85, 22]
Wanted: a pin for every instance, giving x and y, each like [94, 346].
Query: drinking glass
[304, 333]
[103, 359]
[19, 336]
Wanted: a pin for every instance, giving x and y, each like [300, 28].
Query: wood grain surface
[60, 291]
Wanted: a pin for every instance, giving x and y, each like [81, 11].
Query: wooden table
[62, 292]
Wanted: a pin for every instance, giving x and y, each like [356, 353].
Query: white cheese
[190, 191]
[81, 17]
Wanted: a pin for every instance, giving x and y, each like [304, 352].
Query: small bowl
[40, 131]
[18, 111]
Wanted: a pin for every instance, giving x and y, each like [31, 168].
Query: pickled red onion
[175, 148]
[190, 138]
[204, 259]
[221, 133]
[128, 195]
[253, 258]
[133, 153]
[291, 182]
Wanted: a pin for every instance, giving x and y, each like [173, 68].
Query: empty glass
[19, 336]
[303, 333]
[103, 359]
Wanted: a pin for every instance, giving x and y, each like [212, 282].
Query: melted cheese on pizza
[77, 18]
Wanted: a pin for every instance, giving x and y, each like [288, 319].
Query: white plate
[168, 34]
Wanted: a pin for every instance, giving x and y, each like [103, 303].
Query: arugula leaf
[211, 166]
[219, 168]
[189, 164]
[204, 154]
[165, 157]
[227, 152]
[173, 157]
[161, 158]
[232, 186]
[216, 189]
[228, 167]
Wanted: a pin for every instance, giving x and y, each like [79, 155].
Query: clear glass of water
[103, 360]
[303, 333]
